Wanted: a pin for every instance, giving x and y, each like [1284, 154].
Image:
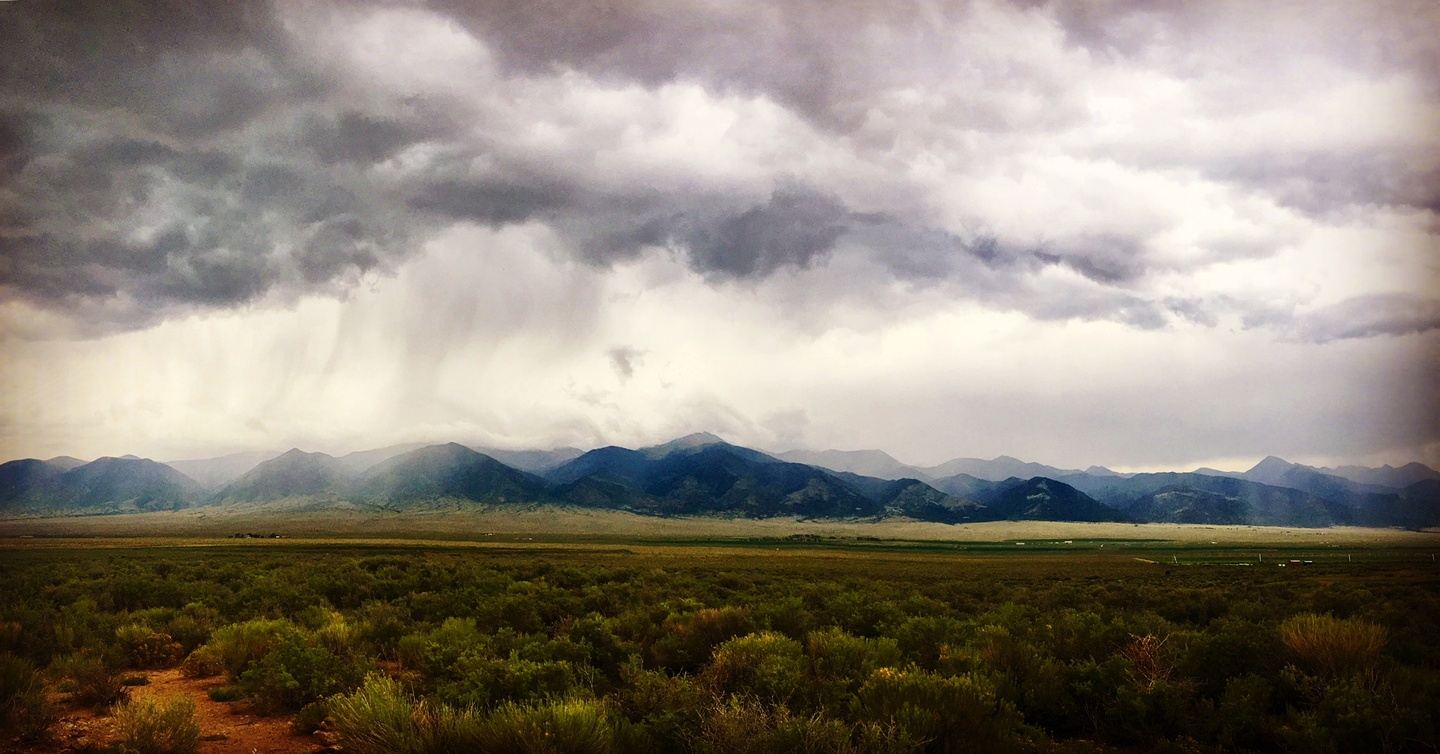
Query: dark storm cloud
[161, 157]
[792, 229]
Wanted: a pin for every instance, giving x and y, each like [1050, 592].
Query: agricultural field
[1084, 638]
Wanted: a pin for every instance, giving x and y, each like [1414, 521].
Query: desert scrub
[381, 717]
[25, 710]
[145, 647]
[768, 665]
[158, 725]
[558, 726]
[240, 645]
[204, 662]
[1332, 646]
[952, 713]
[91, 680]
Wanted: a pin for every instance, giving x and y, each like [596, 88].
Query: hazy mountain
[1252, 502]
[26, 483]
[116, 484]
[292, 474]
[1278, 471]
[995, 470]
[532, 461]
[361, 460]
[1386, 476]
[688, 442]
[702, 474]
[217, 472]
[444, 472]
[65, 463]
[873, 463]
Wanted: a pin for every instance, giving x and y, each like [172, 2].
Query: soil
[225, 727]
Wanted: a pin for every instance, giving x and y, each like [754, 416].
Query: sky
[1145, 235]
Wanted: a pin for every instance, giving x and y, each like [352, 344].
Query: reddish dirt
[243, 732]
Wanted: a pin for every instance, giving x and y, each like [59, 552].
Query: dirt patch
[243, 732]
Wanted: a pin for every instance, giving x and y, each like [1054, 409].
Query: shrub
[380, 717]
[193, 625]
[239, 645]
[1149, 659]
[477, 680]
[840, 662]
[158, 725]
[92, 681]
[559, 726]
[743, 725]
[298, 672]
[766, 665]
[226, 693]
[952, 713]
[309, 718]
[204, 662]
[688, 640]
[25, 710]
[145, 647]
[1332, 646]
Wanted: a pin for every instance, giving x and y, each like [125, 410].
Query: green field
[524, 633]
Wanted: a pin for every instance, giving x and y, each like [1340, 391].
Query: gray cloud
[161, 158]
[1367, 316]
[625, 359]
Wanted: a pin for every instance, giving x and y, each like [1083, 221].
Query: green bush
[226, 693]
[297, 672]
[951, 713]
[840, 662]
[240, 645]
[477, 680]
[25, 710]
[766, 665]
[688, 640]
[145, 647]
[204, 662]
[91, 680]
[309, 718]
[158, 725]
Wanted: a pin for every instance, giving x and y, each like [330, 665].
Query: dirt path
[229, 727]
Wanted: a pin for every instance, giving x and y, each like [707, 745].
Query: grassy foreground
[564, 631]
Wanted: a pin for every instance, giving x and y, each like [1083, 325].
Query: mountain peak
[694, 439]
[688, 442]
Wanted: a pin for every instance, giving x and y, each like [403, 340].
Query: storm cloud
[846, 167]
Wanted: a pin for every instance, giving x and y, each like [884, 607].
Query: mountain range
[702, 474]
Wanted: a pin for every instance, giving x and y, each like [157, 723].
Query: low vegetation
[157, 725]
[575, 649]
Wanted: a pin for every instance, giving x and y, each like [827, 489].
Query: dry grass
[1333, 646]
[520, 523]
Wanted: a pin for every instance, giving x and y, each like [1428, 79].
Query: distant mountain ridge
[702, 474]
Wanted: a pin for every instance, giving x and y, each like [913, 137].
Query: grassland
[610, 632]
[571, 524]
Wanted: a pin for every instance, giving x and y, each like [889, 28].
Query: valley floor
[513, 524]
